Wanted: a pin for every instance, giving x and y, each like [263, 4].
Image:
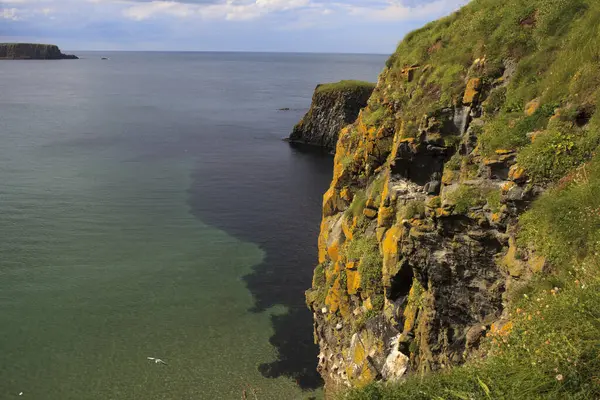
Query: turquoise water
[129, 207]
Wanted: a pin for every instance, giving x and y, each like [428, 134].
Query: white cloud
[9, 13]
[141, 11]
[397, 10]
[230, 10]
[235, 10]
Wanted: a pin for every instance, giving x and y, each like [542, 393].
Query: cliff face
[470, 122]
[334, 106]
[32, 51]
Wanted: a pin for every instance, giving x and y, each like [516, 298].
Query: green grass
[374, 117]
[366, 249]
[492, 198]
[413, 209]
[345, 86]
[566, 220]
[465, 197]
[509, 130]
[558, 150]
[358, 204]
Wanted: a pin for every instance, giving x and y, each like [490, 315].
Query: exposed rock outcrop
[418, 248]
[32, 51]
[334, 106]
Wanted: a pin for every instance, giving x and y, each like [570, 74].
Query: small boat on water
[105, 58]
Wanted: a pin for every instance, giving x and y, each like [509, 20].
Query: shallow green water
[103, 266]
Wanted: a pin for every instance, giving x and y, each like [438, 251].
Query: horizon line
[227, 51]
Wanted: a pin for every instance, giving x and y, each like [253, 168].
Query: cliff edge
[32, 51]
[334, 105]
[462, 224]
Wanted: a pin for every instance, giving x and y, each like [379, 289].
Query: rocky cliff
[32, 51]
[334, 106]
[421, 243]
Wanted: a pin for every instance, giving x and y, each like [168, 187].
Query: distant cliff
[334, 106]
[32, 51]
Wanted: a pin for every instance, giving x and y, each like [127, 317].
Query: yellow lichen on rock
[332, 301]
[333, 202]
[507, 187]
[517, 174]
[412, 308]
[322, 241]
[370, 213]
[536, 263]
[386, 217]
[348, 225]
[390, 251]
[511, 260]
[532, 107]
[472, 91]
[353, 281]
[333, 251]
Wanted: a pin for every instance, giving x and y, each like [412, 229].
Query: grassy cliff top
[546, 50]
[346, 85]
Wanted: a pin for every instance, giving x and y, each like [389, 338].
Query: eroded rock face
[416, 251]
[32, 51]
[333, 107]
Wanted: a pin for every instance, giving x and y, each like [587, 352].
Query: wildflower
[548, 341]
[559, 377]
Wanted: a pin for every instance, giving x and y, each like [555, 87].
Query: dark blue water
[150, 209]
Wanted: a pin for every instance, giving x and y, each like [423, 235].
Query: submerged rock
[334, 106]
[32, 51]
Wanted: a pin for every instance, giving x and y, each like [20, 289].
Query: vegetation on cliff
[473, 176]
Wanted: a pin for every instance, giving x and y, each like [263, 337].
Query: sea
[149, 209]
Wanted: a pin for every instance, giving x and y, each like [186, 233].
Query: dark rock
[433, 187]
[333, 107]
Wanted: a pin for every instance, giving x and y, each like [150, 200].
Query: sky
[339, 26]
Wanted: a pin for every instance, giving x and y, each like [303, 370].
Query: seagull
[156, 360]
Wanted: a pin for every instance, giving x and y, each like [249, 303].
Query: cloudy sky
[357, 26]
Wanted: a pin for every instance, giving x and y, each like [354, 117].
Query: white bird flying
[156, 360]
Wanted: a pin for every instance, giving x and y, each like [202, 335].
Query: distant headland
[32, 51]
